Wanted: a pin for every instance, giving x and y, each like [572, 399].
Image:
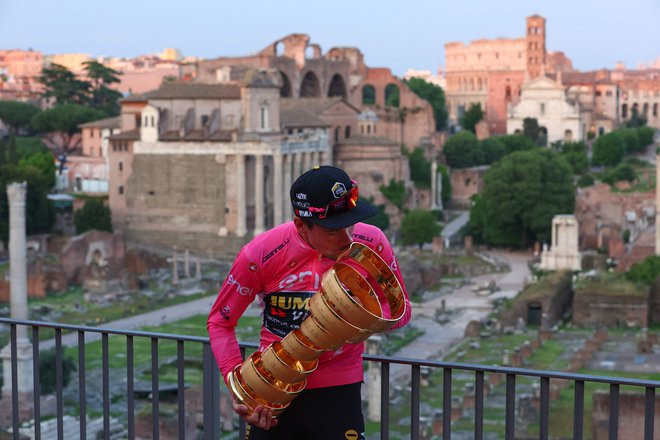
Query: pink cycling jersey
[283, 272]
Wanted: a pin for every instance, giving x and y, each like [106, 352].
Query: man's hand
[260, 417]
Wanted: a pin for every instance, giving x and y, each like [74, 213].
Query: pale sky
[400, 35]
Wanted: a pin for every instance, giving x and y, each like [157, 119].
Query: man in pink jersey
[283, 268]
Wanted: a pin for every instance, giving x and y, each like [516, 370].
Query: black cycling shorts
[333, 413]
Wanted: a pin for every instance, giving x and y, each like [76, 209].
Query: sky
[396, 34]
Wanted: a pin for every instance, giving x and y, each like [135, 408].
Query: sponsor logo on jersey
[363, 238]
[272, 253]
[379, 249]
[244, 291]
[285, 311]
[252, 266]
[225, 311]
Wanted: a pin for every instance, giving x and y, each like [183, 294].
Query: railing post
[211, 395]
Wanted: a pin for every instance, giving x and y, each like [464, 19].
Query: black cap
[327, 197]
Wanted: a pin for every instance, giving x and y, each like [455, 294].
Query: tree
[395, 192]
[43, 162]
[645, 136]
[493, 150]
[94, 215]
[645, 272]
[446, 184]
[462, 150]
[470, 118]
[12, 152]
[61, 123]
[62, 85]
[522, 193]
[516, 142]
[631, 138]
[435, 96]
[608, 149]
[575, 153]
[419, 227]
[381, 220]
[420, 168]
[635, 120]
[17, 115]
[47, 378]
[533, 131]
[102, 96]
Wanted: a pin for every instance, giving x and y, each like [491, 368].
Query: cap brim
[361, 212]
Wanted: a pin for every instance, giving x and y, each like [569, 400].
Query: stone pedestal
[373, 381]
[25, 370]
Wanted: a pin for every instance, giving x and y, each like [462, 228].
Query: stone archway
[285, 90]
[368, 95]
[310, 86]
[337, 87]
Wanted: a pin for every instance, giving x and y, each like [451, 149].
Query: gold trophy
[345, 309]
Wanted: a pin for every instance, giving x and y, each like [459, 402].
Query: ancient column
[306, 161]
[198, 268]
[297, 165]
[434, 186]
[259, 224]
[241, 211]
[175, 267]
[18, 293]
[186, 262]
[373, 381]
[288, 181]
[315, 159]
[278, 191]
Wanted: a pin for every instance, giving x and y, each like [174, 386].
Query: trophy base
[242, 395]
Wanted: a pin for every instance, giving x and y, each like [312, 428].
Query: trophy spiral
[345, 309]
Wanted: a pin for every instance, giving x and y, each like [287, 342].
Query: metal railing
[212, 387]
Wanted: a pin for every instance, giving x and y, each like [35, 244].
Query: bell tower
[535, 41]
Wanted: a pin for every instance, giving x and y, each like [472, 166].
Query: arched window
[285, 90]
[310, 87]
[337, 87]
[337, 134]
[368, 95]
[624, 111]
[347, 132]
[121, 167]
[392, 95]
[645, 109]
[507, 93]
[655, 109]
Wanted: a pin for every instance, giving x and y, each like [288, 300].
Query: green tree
[516, 142]
[493, 150]
[381, 220]
[608, 149]
[62, 85]
[43, 162]
[531, 129]
[395, 192]
[471, 117]
[645, 136]
[645, 272]
[631, 137]
[102, 96]
[420, 168]
[462, 150]
[94, 215]
[435, 96]
[39, 211]
[419, 227]
[446, 184]
[522, 193]
[17, 115]
[61, 123]
[392, 95]
[635, 120]
[585, 180]
[575, 154]
[47, 379]
[12, 152]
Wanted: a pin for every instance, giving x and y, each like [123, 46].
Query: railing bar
[130, 384]
[36, 377]
[58, 384]
[211, 397]
[82, 384]
[446, 404]
[479, 405]
[649, 413]
[181, 401]
[578, 410]
[510, 417]
[545, 408]
[414, 402]
[384, 401]
[14, 380]
[613, 429]
[155, 395]
[105, 356]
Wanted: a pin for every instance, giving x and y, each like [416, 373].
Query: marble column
[259, 224]
[306, 161]
[241, 211]
[288, 181]
[186, 262]
[278, 190]
[315, 159]
[373, 380]
[175, 266]
[18, 293]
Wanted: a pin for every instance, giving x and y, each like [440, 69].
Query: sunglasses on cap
[344, 203]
